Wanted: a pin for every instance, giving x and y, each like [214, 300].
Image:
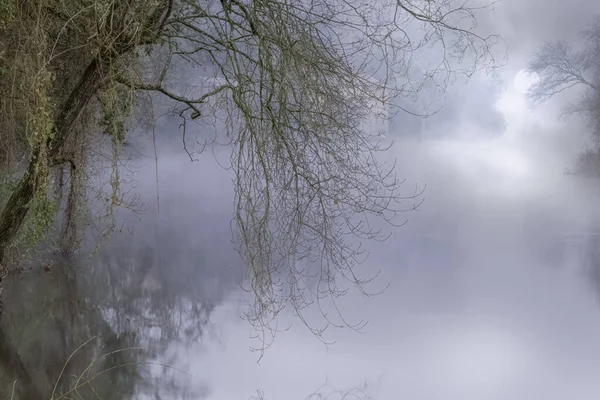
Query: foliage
[292, 84]
[7, 9]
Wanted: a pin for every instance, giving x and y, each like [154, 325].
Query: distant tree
[291, 83]
[562, 66]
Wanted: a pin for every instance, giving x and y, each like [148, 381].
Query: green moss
[7, 11]
[8, 183]
[116, 105]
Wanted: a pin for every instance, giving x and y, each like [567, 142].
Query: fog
[489, 281]
[489, 291]
[490, 285]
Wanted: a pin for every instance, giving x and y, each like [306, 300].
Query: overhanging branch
[193, 104]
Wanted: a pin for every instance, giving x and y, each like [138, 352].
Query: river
[493, 293]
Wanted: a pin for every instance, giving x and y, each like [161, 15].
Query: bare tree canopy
[294, 82]
[563, 65]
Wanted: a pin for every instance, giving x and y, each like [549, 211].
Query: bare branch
[292, 84]
[560, 68]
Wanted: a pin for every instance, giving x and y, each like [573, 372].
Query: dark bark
[15, 210]
[80, 96]
[17, 206]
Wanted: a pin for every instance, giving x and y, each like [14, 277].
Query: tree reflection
[127, 306]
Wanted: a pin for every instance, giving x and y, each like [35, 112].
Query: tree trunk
[80, 96]
[16, 208]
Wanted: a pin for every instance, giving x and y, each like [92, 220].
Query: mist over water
[491, 281]
[491, 287]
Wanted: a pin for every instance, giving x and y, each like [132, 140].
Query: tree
[292, 83]
[562, 66]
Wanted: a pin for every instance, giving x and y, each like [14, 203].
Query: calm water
[493, 294]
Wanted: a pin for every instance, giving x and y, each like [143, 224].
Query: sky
[488, 295]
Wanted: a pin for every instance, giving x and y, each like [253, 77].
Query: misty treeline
[561, 66]
[291, 83]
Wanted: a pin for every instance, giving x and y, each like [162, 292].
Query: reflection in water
[478, 288]
[486, 300]
[103, 327]
[52, 314]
